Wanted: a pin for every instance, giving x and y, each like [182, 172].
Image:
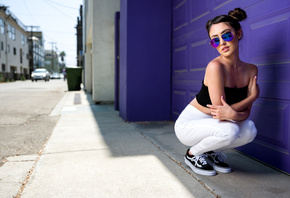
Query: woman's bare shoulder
[214, 72]
[214, 65]
[252, 69]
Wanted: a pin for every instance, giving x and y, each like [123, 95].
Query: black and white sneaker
[217, 160]
[199, 165]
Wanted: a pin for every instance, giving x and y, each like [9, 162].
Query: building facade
[51, 61]
[79, 28]
[98, 28]
[36, 49]
[14, 62]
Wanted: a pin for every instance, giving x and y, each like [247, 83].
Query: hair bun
[238, 14]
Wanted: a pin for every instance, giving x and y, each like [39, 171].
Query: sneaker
[199, 165]
[217, 160]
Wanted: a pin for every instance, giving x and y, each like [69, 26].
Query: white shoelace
[201, 158]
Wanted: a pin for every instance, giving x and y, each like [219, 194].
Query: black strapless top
[233, 95]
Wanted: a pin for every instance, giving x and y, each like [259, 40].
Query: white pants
[203, 133]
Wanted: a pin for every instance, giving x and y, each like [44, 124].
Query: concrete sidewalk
[93, 153]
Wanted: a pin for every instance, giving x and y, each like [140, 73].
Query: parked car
[40, 74]
[55, 75]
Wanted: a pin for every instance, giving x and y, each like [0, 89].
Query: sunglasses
[226, 37]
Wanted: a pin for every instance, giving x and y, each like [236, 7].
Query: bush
[10, 80]
[2, 79]
[22, 78]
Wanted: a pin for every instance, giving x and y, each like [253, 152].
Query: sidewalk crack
[24, 183]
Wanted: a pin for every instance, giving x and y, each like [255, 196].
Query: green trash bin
[74, 78]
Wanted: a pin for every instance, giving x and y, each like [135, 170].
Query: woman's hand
[222, 112]
[254, 89]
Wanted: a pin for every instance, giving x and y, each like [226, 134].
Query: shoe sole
[222, 169]
[219, 168]
[199, 171]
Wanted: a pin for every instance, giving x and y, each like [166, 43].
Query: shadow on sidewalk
[124, 139]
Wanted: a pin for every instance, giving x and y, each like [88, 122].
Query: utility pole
[52, 43]
[31, 68]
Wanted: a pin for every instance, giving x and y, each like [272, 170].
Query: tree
[62, 55]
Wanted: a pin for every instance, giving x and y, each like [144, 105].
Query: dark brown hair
[232, 19]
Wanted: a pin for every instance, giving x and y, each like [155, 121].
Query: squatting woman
[217, 118]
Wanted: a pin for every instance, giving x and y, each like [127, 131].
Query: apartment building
[51, 61]
[14, 59]
[36, 49]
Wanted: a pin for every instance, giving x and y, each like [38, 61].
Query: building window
[9, 27]
[2, 27]
[11, 32]
[3, 68]
[22, 39]
[14, 51]
[2, 45]
[20, 55]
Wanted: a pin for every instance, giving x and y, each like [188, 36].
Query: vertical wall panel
[145, 60]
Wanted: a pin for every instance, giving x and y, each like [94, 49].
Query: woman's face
[225, 48]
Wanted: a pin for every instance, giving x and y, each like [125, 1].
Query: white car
[55, 76]
[40, 74]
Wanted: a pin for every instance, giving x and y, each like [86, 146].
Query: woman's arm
[253, 90]
[240, 106]
[253, 93]
[241, 110]
[226, 112]
[242, 115]
[214, 80]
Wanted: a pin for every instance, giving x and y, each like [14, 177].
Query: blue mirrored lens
[215, 42]
[227, 36]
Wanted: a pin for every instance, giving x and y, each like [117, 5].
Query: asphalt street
[24, 122]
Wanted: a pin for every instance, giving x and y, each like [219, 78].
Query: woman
[217, 118]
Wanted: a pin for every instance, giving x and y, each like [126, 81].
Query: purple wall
[117, 57]
[145, 60]
[149, 90]
[191, 53]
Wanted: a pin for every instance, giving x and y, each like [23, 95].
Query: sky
[56, 19]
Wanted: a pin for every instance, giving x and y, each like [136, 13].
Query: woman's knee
[182, 133]
[230, 132]
[251, 131]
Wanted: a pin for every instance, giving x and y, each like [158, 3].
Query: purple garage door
[265, 43]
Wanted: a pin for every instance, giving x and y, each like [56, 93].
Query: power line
[29, 12]
[58, 10]
[64, 5]
[60, 43]
[38, 15]
[58, 32]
